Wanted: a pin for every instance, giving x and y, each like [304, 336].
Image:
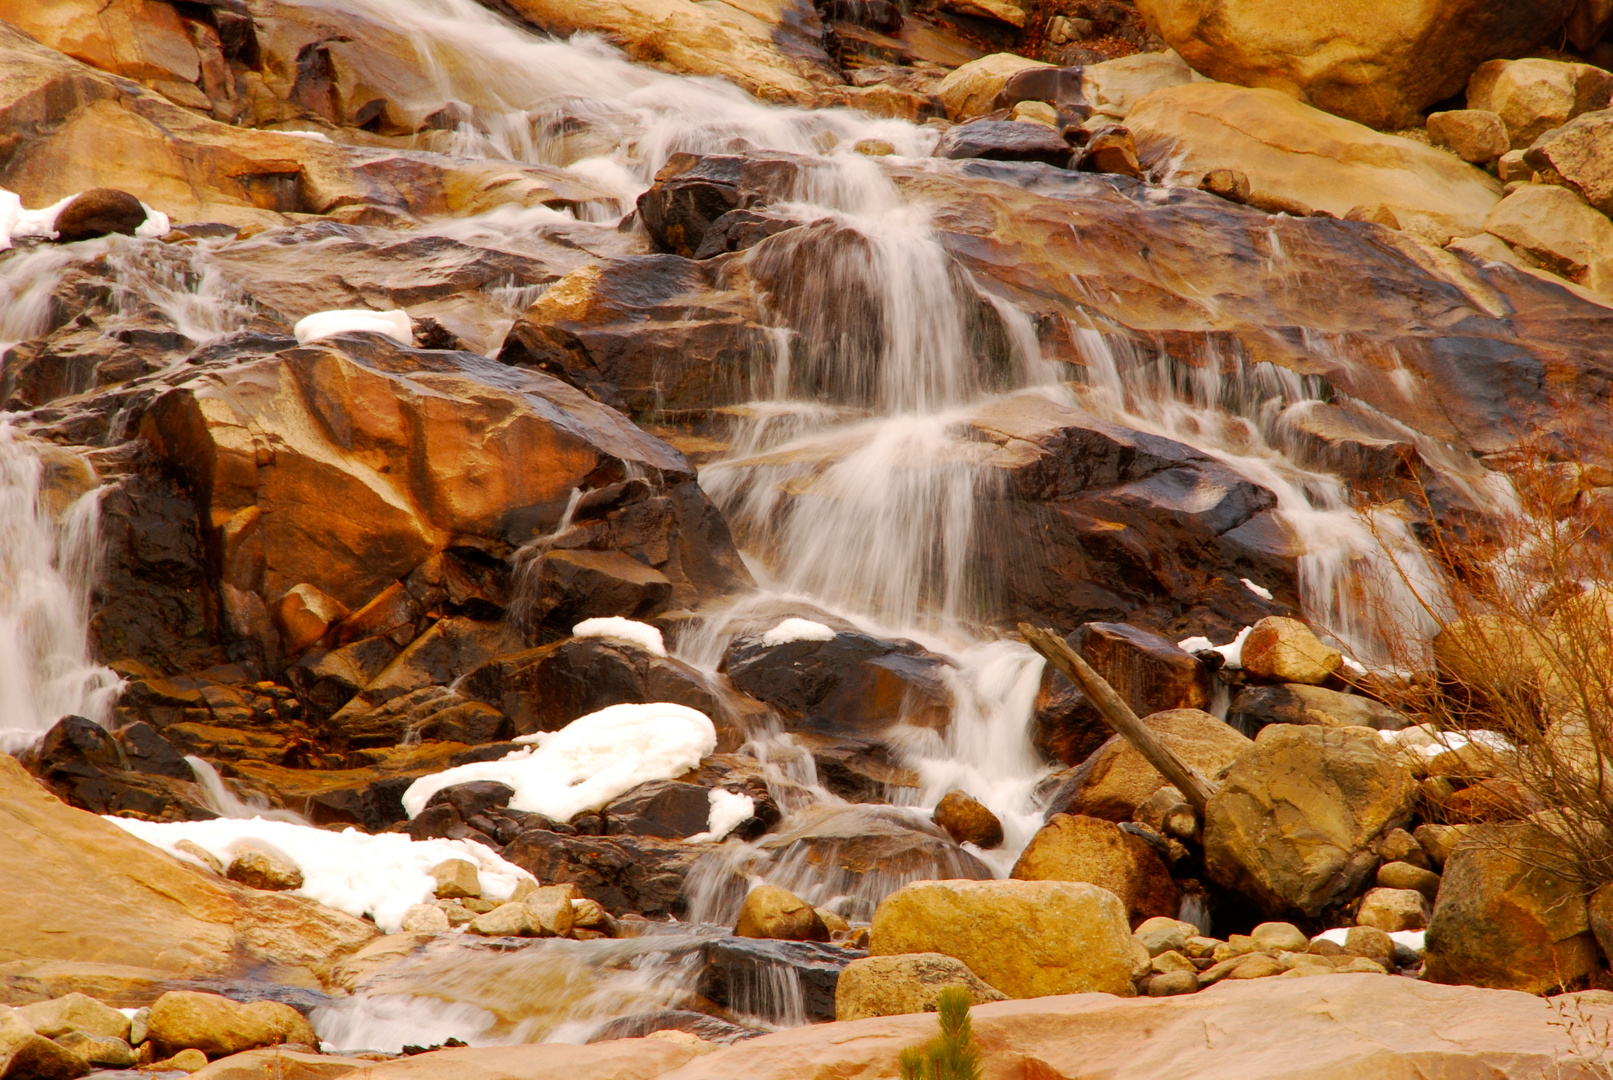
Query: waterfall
[48, 548]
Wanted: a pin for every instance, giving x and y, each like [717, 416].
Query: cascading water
[48, 540]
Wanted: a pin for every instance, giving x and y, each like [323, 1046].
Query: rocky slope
[768, 363]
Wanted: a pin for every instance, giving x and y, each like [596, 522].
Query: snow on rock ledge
[325, 324]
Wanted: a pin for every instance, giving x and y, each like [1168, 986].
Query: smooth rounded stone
[1535, 95]
[589, 915]
[833, 922]
[108, 1051]
[1078, 848]
[1026, 938]
[216, 1026]
[1255, 965]
[1255, 707]
[1173, 983]
[1438, 841]
[1322, 946]
[1401, 846]
[1305, 964]
[1283, 650]
[910, 983]
[968, 821]
[1379, 64]
[971, 90]
[772, 912]
[1280, 937]
[1167, 962]
[259, 869]
[1371, 942]
[1035, 112]
[140, 1026]
[99, 212]
[186, 1061]
[1167, 813]
[513, 919]
[1503, 920]
[1201, 948]
[1579, 154]
[1111, 150]
[553, 907]
[1393, 910]
[1362, 965]
[27, 1056]
[426, 919]
[1304, 157]
[1117, 779]
[1005, 140]
[1403, 875]
[75, 1012]
[1229, 184]
[1559, 229]
[1295, 823]
[1477, 136]
[456, 879]
[1163, 934]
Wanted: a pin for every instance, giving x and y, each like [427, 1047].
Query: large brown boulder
[1581, 153]
[1535, 95]
[1504, 918]
[1563, 232]
[83, 892]
[1295, 823]
[1284, 650]
[1117, 779]
[1072, 848]
[772, 912]
[1302, 155]
[348, 465]
[1025, 938]
[1379, 64]
[218, 1026]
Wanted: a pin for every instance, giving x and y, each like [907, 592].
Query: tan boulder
[1477, 136]
[1117, 779]
[104, 1050]
[1114, 86]
[1161, 935]
[257, 868]
[144, 40]
[1011, 12]
[25, 1055]
[1283, 650]
[278, 1063]
[75, 1012]
[456, 879]
[1379, 64]
[1403, 875]
[967, 820]
[511, 919]
[215, 1025]
[1079, 848]
[1026, 938]
[910, 983]
[82, 891]
[303, 614]
[1504, 919]
[772, 912]
[1295, 823]
[1580, 154]
[1293, 152]
[1392, 910]
[553, 907]
[760, 47]
[1333, 1027]
[1533, 96]
[1562, 231]
[972, 89]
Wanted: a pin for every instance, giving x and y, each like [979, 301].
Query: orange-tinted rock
[967, 820]
[1076, 848]
[1117, 779]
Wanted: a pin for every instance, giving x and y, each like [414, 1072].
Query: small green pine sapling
[954, 1054]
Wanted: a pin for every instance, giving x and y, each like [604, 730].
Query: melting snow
[1233, 650]
[381, 875]
[324, 324]
[643, 635]
[17, 221]
[589, 762]
[1259, 590]
[797, 630]
[728, 809]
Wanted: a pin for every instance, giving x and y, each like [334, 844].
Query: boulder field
[516, 520]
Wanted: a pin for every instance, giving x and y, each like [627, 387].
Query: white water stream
[850, 480]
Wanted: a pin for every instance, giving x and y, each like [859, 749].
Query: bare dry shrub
[1525, 648]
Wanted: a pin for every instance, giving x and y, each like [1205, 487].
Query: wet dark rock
[860, 770]
[1005, 140]
[738, 230]
[146, 751]
[645, 333]
[326, 681]
[622, 873]
[876, 14]
[86, 767]
[546, 688]
[1148, 672]
[670, 809]
[1060, 87]
[373, 807]
[967, 820]
[99, 212]
[710, 1028]
[1255, 707]
[742, 974]
[442, 822]
[850, 683]
[562, 588]
[691, 192]
[474, 797]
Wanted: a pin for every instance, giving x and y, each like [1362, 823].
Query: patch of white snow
[1232, 651]
[728, 809]
[324, 324]
[589, 762]
[631, 631]
[797, 630]
[1259, 590]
